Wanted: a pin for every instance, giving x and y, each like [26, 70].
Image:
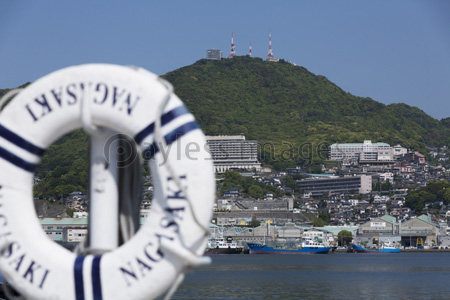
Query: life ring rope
[170, 138]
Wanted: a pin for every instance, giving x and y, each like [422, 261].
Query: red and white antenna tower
[270, 54]
[250, 49]
[233, 51]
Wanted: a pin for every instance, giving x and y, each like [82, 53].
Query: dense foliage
[322, 220]
[64, 167]
[433, 193]
[345, 237]
[288, 108]
[293, 113]
[247, 186]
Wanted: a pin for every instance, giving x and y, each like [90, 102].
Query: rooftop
[225, 137]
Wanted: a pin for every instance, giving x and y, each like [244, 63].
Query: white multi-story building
[366, 151]
[387, 176]
[399, 150]
[233, 152]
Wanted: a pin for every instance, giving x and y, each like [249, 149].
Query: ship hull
[361, 249]
[259, 249]
[224, 250]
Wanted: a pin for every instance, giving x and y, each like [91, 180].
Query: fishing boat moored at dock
[382, 249]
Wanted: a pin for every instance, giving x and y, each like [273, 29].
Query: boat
[220, 245]
[309, 245]
[382, 249]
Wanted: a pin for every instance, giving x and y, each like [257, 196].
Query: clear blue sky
[390, 51]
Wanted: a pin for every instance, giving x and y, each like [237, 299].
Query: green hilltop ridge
[280, 102]
[272, 102]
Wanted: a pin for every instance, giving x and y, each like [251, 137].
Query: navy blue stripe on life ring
[171, 137]
[78, 276]
[96, 280]
[165, 118]
[20, 141]
[17, 161]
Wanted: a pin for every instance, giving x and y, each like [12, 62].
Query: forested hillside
[279, 102]
[275, 103]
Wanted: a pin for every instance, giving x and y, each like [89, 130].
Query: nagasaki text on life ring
[125, 100]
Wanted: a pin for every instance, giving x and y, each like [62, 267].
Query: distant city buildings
[233, 152]
[416, 157]
[418, 231]
[327, 186]
[214, 54]
[365, 152]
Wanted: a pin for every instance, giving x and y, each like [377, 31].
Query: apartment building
[233, 152]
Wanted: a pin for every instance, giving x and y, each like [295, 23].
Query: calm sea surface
[331, 276]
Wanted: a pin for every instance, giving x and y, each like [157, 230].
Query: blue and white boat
[264, 249]
[220, 245]
[309, 245]
[382, 249]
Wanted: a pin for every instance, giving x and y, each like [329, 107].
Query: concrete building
[415, 157]
[270, 233]
[55, 234]
[56, 228]
[239, 204]
[377, 231]
[356, 184]
[387, 176]
[366, 151]
[233, 152]
[214, 54]
[420, 231]
[399, 151]
[74, 234]
[385, 225]
[245, 217]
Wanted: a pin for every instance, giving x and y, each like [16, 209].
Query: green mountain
[280, 102]
[292, 112]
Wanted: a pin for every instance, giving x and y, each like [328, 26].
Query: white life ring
[123, 99]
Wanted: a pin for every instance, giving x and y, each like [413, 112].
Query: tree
[317, 222]
[325, 216]
[255, 192]
[414, 201]
[254, 222]
[316, 169]
[233, 177]
[288, 181]
[70, 212]
[344, 237]
[446, 196]
[385, 186]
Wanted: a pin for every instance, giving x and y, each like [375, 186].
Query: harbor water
[331, 276]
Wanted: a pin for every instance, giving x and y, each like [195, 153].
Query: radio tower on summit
[250, 49]
[233, 51]
[270, 56]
